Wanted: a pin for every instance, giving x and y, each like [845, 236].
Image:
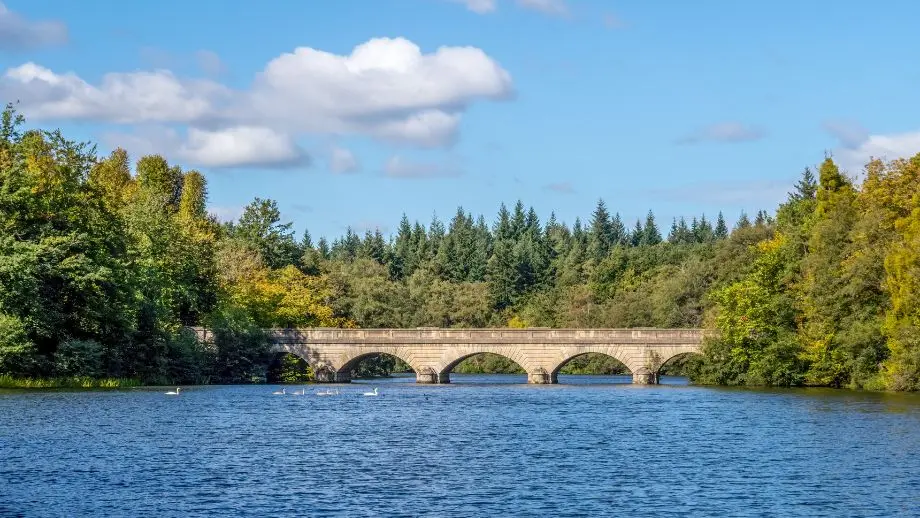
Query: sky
[350, 113]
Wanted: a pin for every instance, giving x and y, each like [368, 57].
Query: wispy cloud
[478, 6]
[550, 7]
[226, 213]
[210, 63]
[400, 167]
[18, 33]
[724, 132]
[561, 187]
[342, 160]
[612, 21]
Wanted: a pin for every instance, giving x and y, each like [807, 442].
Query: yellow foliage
[517, 322]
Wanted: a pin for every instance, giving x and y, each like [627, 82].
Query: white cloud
[124, 98]
[342, 160]
[552, 7]
[478, 6]
[18, 33]
[239, 147]
[885, 147]
[724, 132]
[400, 167]
[385, 88]
[858, 146]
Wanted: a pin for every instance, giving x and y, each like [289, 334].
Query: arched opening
[484, 367]
[592, 367]
[678, 369]
[288, 368]
[378, 365]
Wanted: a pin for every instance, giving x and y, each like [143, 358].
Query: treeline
[103, 265]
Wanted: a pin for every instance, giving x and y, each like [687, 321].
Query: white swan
[374, 393]
[328, 392]
[281, 393]
[301, 393]
[176, 393]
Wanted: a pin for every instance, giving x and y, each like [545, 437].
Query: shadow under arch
[483, 362]
[591, 363]
[680, 364]
[374, 364]
[287, 367]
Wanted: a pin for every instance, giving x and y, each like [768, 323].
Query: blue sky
[679, 107]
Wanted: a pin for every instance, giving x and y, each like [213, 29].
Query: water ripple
[476, 447]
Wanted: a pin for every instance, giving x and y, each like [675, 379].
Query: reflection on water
[481, 446]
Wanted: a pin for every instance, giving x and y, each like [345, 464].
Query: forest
[105, 262]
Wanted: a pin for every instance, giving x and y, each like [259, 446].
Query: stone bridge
[434, 352]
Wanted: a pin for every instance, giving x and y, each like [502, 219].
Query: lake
[481, 446]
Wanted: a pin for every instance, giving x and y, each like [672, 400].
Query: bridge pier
[427, 376]
[331, 376]
[645, 378]
[541, 377]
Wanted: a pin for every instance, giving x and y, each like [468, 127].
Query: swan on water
[279, 393]
[301, 393]
[374, 393]
[176, 393]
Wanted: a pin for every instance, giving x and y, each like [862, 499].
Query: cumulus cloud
[400, 167]
[242, 146]
[342, 160]
[18, 33]
[385, 88]
[723, 132]
[854, 155]
[124, 98]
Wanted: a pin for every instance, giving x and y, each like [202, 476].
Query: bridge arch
[620, 354]
[351, 358]
[562, 365]
[511, 353]
[676, 359]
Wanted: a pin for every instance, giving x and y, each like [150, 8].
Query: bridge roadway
[434, 352]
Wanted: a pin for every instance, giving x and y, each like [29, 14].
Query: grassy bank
[9, 382]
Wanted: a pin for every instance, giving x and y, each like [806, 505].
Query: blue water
[482, 446]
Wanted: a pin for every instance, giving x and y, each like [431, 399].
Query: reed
[10, 382]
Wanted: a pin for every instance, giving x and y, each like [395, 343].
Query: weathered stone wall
[433, 353]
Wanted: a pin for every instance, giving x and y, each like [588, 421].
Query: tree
[650, 233]
[601, 236]
[260, 227]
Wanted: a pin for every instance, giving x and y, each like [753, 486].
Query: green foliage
[79, 358]
[102, 268]
[17, 353]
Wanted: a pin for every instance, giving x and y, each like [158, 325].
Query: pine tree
[743, 221]
[404, 259]
[806, 188]
[601, 236]
[721, 231]
[674, 233]
[618, 233]
[635, 238]
[650, 233]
